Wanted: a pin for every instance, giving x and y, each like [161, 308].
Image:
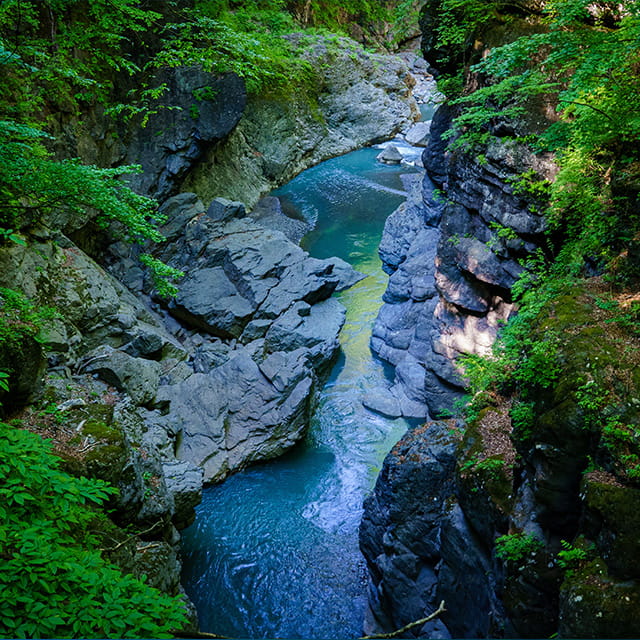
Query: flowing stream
[273, 552]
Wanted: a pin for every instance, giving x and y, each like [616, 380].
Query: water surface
[274, 550]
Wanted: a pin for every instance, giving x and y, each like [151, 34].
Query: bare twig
[130, 538]
[196, 634]
[411, 625]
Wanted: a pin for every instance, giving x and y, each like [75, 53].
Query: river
[273, 552]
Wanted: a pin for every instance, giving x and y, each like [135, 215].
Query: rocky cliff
[516, 517]
[453, 252]
[356, 98]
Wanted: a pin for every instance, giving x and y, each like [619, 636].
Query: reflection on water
[274, 550]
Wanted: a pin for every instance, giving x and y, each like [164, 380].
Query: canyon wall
[516, 517]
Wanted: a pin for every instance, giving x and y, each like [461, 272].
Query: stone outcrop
[196, 110]
[258, 328]
[358, 98]
[522, 518]
[421, 548]
[453, 260]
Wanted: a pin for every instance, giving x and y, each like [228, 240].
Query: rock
[159, 562]
[179, 210]
[235, 415]
[382, 400]
[315, 328]
[221, 210]
[398, 538]
[138, 377]
[211, 354]
[592, 605]
[418, 135]
[184, 483]
[208, 300]
[286, 369]
[268, 212]
[200, 108]
[95, 308]
[390, 155]
[400, 230]
[242, 276]
[22, 358]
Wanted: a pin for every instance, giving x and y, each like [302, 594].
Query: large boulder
[236, 415]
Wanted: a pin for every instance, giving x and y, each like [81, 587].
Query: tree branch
[584, 104]
[411, 625]
[196, 634]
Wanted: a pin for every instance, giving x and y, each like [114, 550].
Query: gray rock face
[242, 277]
[210, 301]
[419, 547]
[197, 110]
[452, 262]
[138, 377]
[452, 265]
[236, 415]
[96, 308]
[184, 483]
[363, 98]
[262, 328]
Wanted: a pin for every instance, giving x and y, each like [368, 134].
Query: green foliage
[489, 467]
[570, 556]
[522, 419]
[34, 185]
[516, 548]
[53, 581]
[246, 47]
[162, 275]
[41, 42]
[520, 358]
[19, 318]
[584, 60]
[11, 236]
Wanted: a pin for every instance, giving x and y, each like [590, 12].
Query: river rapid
[273, 552]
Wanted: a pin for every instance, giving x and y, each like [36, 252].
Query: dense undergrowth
[53, 579]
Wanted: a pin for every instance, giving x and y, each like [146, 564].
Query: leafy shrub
[490, 467]
[570, 556]
[53, 580]
[516, 547]
[522, 419]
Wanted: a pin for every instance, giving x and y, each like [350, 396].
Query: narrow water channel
[274, 550]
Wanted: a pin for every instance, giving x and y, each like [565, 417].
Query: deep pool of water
[274, 550]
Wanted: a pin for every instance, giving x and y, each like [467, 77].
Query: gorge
[512, 272]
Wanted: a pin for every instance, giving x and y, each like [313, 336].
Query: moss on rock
[595, 605]
[613, 511]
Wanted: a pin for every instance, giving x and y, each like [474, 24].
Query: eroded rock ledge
[453, 251]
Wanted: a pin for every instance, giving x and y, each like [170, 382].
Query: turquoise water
[274, 550]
